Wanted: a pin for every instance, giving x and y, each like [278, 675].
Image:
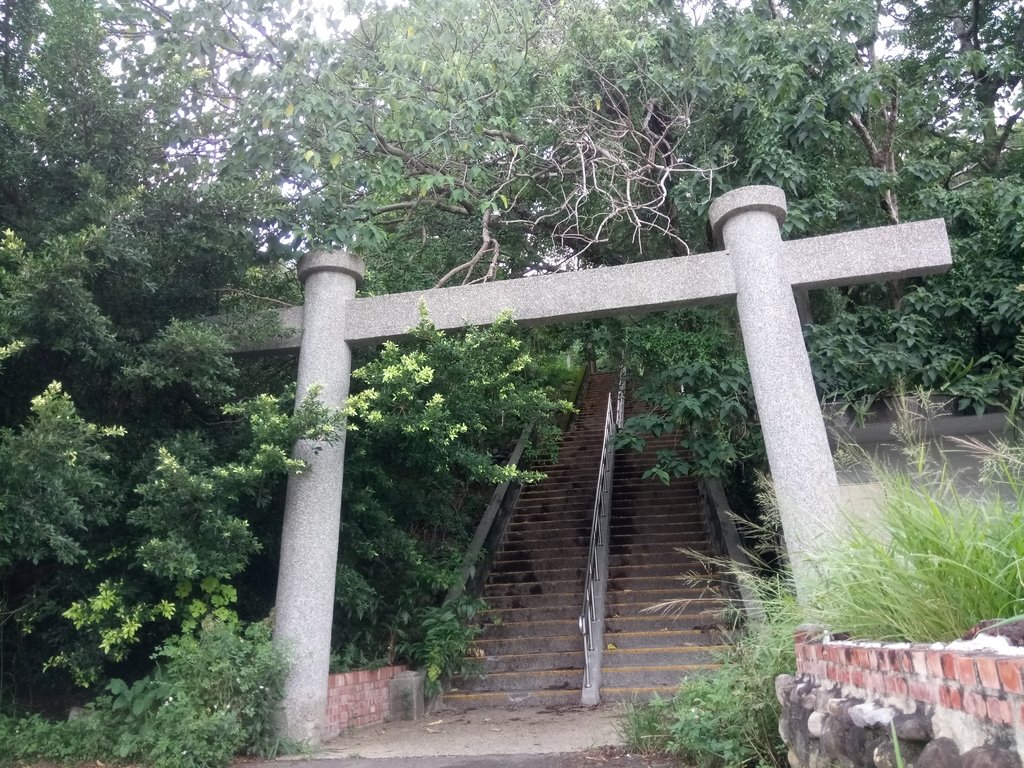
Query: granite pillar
[312, 516]
[747, 221]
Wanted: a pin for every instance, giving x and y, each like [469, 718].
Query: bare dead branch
[488, 245]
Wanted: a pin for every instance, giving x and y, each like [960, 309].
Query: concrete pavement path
[493, 737]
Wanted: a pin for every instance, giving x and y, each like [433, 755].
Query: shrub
[438, 641]
[216, 695]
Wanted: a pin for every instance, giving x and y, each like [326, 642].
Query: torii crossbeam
[756, 268]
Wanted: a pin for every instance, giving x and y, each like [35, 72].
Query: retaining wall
[358, 698]
[952, 706]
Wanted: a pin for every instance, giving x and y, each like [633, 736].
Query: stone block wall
[951, 706]
[358, 698]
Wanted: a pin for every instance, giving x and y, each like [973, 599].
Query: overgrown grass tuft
[936, 560]
[642, 728]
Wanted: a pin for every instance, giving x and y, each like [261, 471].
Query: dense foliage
[143, 467]
[213, 695]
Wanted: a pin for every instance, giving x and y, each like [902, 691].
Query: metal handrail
[595, 586]
[620, 401]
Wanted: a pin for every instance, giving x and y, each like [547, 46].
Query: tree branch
[489, 244]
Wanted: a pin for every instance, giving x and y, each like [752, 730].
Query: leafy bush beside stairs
[214, 696]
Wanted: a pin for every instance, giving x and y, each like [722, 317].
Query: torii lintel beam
[882, 253]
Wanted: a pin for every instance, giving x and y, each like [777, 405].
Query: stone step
[540, 561]
[524, 699]
[619, 560]
[694, 607]
[694, 539]
[655, 516]
[548, 538]
[650, 496]
[524, 662]
[537, 631]
[686, 655]
[552, 516]
[656, 550]
[662, 638]
[533, 613]
[538, 521]
[521, 576]
[670, 583]
[642, 597]
[512, 545]
[645, 677]
[569, 643]
[628, 510]
[663, 525]
[658, 622]
[527, 680]
[536, 601]
[497, 590]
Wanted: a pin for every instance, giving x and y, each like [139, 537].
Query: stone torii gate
[756, 267]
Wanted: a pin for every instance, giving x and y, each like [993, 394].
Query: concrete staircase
[530, 649]
[648, 652]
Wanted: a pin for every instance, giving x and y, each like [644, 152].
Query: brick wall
[358, 698]
[984, 684]
[954, 706]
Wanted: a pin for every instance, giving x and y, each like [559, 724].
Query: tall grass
[933, 565]
[940, 556]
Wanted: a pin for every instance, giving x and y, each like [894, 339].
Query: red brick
[949, 666]
[965, 670]
[897, 686]
[919, 661]
[857, 677]
[876, 682]
[974, 704]
[988, 672]
[1010, 675]
[951, 697]
[904, 661]
[924, 691]
[999, 710]
[934, 662]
